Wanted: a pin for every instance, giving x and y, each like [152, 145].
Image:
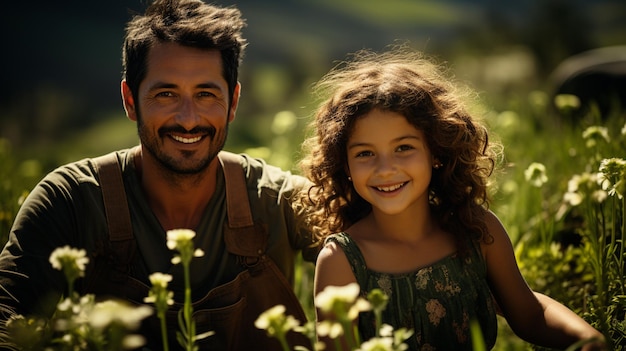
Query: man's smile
[187, 140]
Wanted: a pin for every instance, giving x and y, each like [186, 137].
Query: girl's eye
[364, 154]
[405, 147]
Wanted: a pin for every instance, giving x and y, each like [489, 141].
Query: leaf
[205, 335]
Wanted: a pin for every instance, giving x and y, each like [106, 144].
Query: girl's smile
[389, 162]
[390, 188]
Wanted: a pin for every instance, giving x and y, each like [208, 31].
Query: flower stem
[164, 340]
[188, 309]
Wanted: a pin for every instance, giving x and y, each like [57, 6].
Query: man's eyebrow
[161, 85]
[164, 85]
[209, 85]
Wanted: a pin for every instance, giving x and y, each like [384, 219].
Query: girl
[400, 171]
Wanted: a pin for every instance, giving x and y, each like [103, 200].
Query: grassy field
[559, 191]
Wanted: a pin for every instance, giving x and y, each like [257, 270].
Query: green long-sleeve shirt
[66, 208]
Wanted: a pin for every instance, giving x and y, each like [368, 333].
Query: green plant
[570, 245]
[79, 322]
[344, 304]
[180, 240]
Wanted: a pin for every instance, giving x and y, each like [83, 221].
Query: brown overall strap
[121, 240]
[262, 285]
[238, 206]
[242, 234]
[238, 210]
[114, 196]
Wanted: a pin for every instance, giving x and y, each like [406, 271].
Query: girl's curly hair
[404, 82]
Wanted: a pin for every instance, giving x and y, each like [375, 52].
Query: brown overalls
[230, 309]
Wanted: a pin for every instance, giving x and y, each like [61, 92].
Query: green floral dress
[437, 302]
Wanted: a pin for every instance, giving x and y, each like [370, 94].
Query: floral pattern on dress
[437, 302]
[449, 286]
[422, 277]
[384, 282]
[461, 329]
[436, 311]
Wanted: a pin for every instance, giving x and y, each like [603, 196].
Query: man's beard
[184, 165]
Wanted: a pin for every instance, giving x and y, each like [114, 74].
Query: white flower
[110, 311]
[567, 102]
[158, 294]
[386, 330]
[160, 279]
[329, 328]
[599, 196]
[594, 134]
[361, 305]
[573, 198]
[265, 319]
[377, 344]
[181, 240]
[67, 258]
[331, 295]
[612, 176]
[536, 174]
[178, 237]
[274, 321]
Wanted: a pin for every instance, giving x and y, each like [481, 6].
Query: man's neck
[177, 200]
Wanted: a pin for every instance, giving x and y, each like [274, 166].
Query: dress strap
[354, 255]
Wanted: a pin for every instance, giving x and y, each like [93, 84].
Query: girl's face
[389, 162]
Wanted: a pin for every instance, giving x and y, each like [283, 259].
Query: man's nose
[187, 115]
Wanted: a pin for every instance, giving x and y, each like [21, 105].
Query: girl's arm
[534, 317]
[331, 269]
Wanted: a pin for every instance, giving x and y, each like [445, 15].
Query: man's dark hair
[191, 23]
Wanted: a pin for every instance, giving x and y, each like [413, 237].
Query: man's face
[182, 109]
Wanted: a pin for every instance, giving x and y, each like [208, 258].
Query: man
[180, 86]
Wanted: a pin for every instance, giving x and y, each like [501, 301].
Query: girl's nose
[385, 166]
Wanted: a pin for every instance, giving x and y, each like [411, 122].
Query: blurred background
[61, 63]
[60, 101]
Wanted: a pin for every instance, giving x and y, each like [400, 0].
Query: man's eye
[164, 94]
[206, 94]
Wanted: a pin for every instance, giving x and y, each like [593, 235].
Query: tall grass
[560, 196]
[568, 228]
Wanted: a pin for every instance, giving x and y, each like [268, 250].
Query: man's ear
[235, 102]
[128, 101]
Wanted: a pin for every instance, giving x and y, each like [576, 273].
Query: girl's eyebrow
[401, 138]
[396, 140]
